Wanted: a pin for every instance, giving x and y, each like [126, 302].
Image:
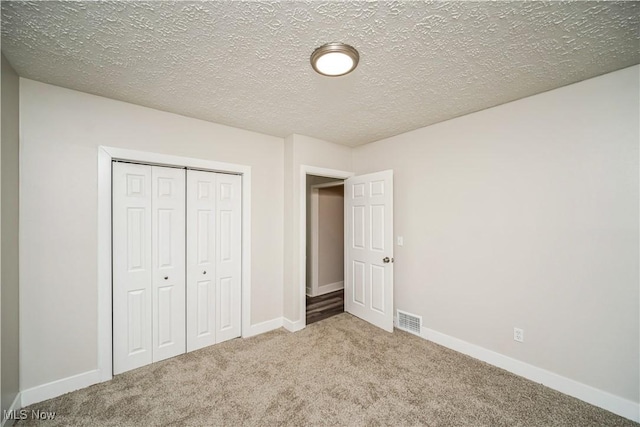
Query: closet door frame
[106, 155]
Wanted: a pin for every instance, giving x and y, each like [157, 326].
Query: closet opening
[176, 236]
[174, 256]
[324, 247]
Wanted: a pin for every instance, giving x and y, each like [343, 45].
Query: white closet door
[132, 267]
[201, 259]
[228, 256]
[172, 296]
[168, 249]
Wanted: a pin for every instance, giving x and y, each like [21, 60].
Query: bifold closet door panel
[201, 259]
[132, 266]
[168, 251]
[228, 256]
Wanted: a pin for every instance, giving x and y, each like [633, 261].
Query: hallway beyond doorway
[324, 306]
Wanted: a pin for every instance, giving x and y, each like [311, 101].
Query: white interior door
[132, 267]
[228, 256]
[201, 259]
[369, 248]
[168, 250]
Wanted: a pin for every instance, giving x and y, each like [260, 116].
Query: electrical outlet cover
[518, 334]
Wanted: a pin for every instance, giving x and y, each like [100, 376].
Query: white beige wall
[330, 235]
[61, 131]
[302, 150]
[526, 215]
[9, 231]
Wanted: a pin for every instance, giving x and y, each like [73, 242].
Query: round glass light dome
[334, 59]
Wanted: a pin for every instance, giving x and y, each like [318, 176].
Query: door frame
[105, 156]
[302, 250]
[314, 222]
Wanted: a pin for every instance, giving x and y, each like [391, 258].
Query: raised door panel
[137, 312]
[166, 309]
[201, 259]
[377, 288]
[358, 289]
[132, 266]
[168, 250]
[377, 228]
[228, 256]
[223, 296]
[358, 227]
[204, 313]
[135, 237]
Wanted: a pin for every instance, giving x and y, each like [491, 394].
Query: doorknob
[204, 272]
[386, 259]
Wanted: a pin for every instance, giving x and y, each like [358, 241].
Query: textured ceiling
[246, 64]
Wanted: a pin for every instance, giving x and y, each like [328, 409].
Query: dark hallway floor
[324, 306]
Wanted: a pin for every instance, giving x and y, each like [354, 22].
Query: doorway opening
[324, 247]
[368, 245]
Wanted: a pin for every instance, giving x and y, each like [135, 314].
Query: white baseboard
[602, 399]
[263, 327]
[292, 326]
[331, 287]
[15, 406]
[325, 289]
[59, 387]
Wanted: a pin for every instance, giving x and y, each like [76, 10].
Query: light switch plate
[400, 240]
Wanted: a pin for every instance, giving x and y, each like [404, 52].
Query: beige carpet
[340, 371]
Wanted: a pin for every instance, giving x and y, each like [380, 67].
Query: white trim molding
[329, 184]
[602, 399]
[305, 170]
[330, 287]
[105, 156]
[266, 326]
[314, 245]
[296, 326]
[15, 406]
[60, 387]
[105, 354]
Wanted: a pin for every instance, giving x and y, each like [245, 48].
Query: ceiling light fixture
[334, 59]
